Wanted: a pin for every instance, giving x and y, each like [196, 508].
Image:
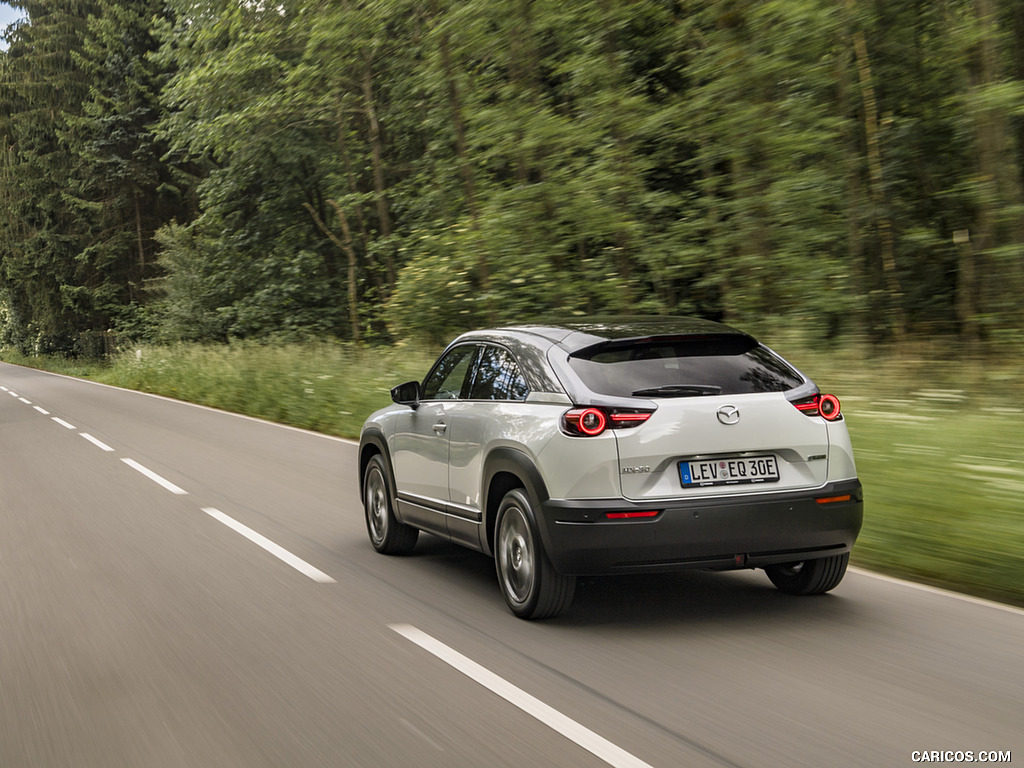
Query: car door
[420, 444]
[495, 385]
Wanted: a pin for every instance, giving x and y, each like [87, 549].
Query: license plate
[736, 471]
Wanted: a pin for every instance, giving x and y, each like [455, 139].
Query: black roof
[576, 334]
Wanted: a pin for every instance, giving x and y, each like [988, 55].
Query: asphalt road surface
[185, 587]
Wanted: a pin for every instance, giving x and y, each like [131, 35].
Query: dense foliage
[213, 169]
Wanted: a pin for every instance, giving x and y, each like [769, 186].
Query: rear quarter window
[684, 367]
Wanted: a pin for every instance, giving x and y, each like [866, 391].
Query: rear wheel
[532, 588]
[387, 535]
[809, 577]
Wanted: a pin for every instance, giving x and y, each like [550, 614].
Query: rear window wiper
[679, 390]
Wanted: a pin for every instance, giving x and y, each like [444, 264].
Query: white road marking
[26, 402]
[12, 394]
[938, 591]
[98, 443]
[5, 389]
[41, 410]
[597, 745]
[64, 423]
[277, 551]
[206, 408]
[155, 477]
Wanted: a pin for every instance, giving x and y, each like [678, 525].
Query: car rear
[727, 457]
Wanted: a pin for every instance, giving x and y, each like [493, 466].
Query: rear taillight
[589, 422]
[826, 406]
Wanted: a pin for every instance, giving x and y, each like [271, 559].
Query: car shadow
[688, 597]
[692, 597]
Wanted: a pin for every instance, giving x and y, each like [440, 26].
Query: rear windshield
[684, 367]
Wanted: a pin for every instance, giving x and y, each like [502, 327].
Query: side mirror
[407, 394]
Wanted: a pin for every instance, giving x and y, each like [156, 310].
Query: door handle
[440, 428]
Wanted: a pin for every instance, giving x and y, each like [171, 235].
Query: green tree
[44, 285]
[229, 112]
[767, 193]
[119, 181]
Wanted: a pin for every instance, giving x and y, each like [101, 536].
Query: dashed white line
[155, 477]
[277, 551]
[295, 562]
[597, 745]
[221, 411]
[98, 443]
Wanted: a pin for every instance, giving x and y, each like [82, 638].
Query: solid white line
[26, 402]
[277, 551]
[64, 423]
[98, 443]
[938, 591]
[584, 737]
[155, 477]
[41, 410]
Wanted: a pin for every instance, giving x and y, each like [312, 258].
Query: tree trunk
[353, 298]
[346, 246]
[623, 164]
[1017, 32]
[377, 154]
[353, 188]
[465, 168]
[966, 294]
[998, 279]
[887, 245]
[132, 286]
[854, 178]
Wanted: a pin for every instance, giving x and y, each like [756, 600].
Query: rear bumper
[738, 532]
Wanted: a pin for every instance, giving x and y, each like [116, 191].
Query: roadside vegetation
[939, 444]
[208, 184]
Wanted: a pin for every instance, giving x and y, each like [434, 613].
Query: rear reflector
[630, 515]
[833, 499]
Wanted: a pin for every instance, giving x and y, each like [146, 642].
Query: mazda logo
[729, 414]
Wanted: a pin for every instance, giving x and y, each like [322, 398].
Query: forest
[374, 170]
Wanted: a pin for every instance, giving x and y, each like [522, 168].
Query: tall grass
[939, 443]
[323, 386]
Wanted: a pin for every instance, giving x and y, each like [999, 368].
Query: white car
[615, 447]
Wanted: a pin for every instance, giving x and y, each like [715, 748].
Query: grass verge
[323, 386]
[939, 445]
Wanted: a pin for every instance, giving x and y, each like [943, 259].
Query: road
[185, 587]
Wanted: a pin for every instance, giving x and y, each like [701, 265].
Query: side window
[448, 378]
[497, 377]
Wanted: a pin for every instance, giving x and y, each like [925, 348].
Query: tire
[388, 536]
[809, 577]
[532, 588]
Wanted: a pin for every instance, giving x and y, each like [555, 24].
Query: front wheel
[532, 588]
[387, 535]
[809, 577]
